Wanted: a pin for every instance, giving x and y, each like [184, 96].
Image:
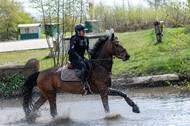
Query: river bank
[128, 83]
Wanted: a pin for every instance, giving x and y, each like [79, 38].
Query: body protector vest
[78, 45]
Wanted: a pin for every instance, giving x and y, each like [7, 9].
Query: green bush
[132, 18]
[11, 83]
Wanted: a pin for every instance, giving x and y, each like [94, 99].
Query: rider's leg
[81, 65]
[83, 78]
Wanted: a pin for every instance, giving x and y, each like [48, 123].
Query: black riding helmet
[80, 27]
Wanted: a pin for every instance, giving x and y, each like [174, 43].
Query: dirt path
[23, 45]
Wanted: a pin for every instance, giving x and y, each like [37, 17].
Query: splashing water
[159, 106]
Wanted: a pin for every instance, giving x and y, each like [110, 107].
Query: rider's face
[81, 33]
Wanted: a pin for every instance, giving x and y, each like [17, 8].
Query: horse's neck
[106, 54]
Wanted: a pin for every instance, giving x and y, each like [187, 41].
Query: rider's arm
[88, 47]
[73, 43]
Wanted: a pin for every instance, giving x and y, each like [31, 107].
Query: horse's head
[117, 48]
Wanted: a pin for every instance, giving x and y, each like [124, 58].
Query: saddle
[70, 66]
[71, 73]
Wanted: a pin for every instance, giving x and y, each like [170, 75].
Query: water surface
[163, 106]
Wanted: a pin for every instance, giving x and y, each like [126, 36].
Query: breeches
[79, 64]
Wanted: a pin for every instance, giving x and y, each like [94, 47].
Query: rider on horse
[78, 44]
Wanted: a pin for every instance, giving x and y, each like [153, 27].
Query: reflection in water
[162, 106]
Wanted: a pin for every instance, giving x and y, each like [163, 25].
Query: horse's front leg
[127, 99]
[104, 97]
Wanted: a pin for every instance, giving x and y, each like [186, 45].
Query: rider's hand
[90, 51]
[80, 59]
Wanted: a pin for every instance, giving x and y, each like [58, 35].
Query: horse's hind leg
[40, 102]
[33, 115]
[51, 96]
[127, 99]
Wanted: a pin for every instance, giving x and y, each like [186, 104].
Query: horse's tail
[27, 92]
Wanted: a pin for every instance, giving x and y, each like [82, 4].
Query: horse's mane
[97, 47]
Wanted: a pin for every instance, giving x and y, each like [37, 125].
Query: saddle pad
[68, 74]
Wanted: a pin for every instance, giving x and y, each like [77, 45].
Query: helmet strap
[78, 32]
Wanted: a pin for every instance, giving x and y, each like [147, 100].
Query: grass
[171, 56]
[21, 57]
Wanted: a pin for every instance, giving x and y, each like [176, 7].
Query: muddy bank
[128, 83]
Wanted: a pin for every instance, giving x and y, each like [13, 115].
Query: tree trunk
[147, 79]
[8, 32]
[57, 43]
[158, 31]
[47, 39]
[63, 32]
[81, 11]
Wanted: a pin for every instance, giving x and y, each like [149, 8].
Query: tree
[180, 38]
[178, 13]
[155, 3]
[65, 11]
[11, 14]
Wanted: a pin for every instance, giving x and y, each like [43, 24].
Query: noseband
[124, 49]
[113, 49]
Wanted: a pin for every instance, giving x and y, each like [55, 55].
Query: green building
[92, 26]
[30, 31]
[51, 29]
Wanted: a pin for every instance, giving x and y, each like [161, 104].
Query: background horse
[49, 80]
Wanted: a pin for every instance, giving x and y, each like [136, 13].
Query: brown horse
[49, 81]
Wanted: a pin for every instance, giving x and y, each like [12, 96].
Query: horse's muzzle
[126, 57]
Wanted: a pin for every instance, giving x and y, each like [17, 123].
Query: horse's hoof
[136, 109]
[54, 114]
[30, 118]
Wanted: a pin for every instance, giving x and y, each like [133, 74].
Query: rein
[105, 59]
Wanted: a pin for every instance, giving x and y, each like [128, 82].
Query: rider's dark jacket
[78, 45]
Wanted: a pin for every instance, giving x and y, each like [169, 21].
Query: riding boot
[83, 79]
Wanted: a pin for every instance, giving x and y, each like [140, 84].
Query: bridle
[113, 53]
[114, 49]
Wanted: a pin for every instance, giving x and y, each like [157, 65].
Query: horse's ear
[107, 33]
[112, 34]
[112, 37]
